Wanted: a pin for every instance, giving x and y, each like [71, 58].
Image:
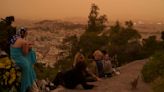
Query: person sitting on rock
[23, 55]
[107, 65]
[71, 78]
[96, 66]
[90, 76]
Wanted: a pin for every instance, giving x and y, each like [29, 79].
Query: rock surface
[117, 83]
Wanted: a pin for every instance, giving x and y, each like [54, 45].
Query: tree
[96, 23]
[116, 28]
[129, 24]
[102, 20]
[93, 18]
[71, 45]
[114, 33]
[90, 42]
[124, 41]
[150, 45]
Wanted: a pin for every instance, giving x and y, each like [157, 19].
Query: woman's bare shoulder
[20, 40]
[19, 43]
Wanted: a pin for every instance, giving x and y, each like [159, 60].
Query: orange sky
[54, 9]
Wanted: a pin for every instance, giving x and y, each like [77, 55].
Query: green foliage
[96, 23]
[90, 42]
[71, 44]
[158, 85]
[150, 45]
[124, 42]
[65, 64]
[43, 72]
[154, 68]
[153, 71]
[115, 28]
[120, 35]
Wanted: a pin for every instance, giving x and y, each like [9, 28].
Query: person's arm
[92, 74]
[30, 43]
[25, 47]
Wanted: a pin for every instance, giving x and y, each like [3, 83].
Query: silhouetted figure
[6, 32]
[162, 35]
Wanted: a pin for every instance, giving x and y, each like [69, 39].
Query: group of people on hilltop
[81, 73]
[20, 51]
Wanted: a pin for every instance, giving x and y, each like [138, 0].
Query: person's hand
[98, 79]
[30, 44]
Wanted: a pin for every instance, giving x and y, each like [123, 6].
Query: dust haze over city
[151, 10]
[147, 15]
[130, 31]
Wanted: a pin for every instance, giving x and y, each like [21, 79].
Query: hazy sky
[54, 9]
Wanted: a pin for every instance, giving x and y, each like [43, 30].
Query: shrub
[90, 42]
[158, 85]
[154, 68]
[43, 73]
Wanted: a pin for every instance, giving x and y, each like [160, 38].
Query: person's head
[98, 55]
[22, 32]
[106, 57]
[9, 19]
[78, 58]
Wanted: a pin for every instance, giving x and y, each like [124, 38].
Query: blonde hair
[98, 55]
[78, 57]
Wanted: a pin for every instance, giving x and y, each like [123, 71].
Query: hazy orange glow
[54, 9]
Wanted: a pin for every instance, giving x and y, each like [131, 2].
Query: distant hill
[57, 25]
[23, 22]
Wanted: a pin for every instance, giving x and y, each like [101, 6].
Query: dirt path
[119, 83]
